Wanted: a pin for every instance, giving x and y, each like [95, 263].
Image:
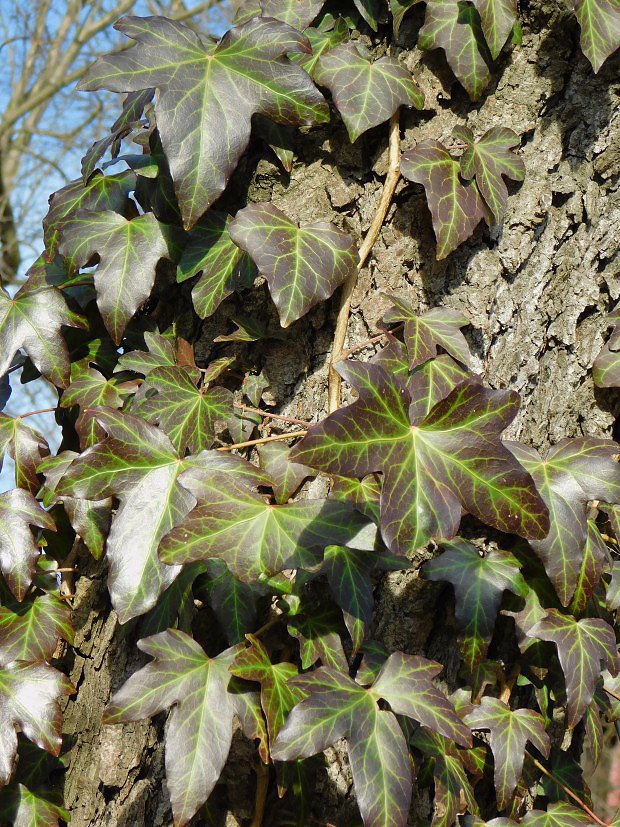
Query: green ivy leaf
[452, 459]
[582, 646]
[26, 447]
[455, 27]
[559, 814]
[423, 332]
[222, 266]
[369, 9]
[246, 73]
[302, 265]
[197, 687]
[233, 602]
[29, 631]
[509, 730]
[30, 703]
[160, 353]
[319, 639]
[456, 208]
[595, 559]
[277, 696]
[488, 159]
[189, 414]
[498, 18]
[18, 551]
[600, 29]
[322, 42]
[297, 13]
[21, 807]
[479, 582]
[365, 93]
[31, 320]
[253, 537]
[574, 471]
[100, 192]
[128, 255]
[287, 475]
[91, 389]
[399, 9]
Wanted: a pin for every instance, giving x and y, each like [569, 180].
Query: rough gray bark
[536, 291]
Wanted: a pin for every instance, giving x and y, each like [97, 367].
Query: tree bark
[536, 292]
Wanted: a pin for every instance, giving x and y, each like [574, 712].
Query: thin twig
[269, 415]
[568, 791]
[34, 413]
[612, 693]
[250, 442]
[342, 322]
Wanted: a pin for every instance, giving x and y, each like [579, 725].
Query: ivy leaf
[606, 367]
[497, 18]
[91, 389]
[18, 551]
[600, 29]
[365, 93]
[21, 807]
[128, 254]
[287, 475]
[488, 159]
[297, 13]
[369, 11]
[253, 537]
[26, 447]
[160, 353]
[399, 9]
[303, 266]
[188, 414]
[182, 676]
[30, 703]
[277, 696]
[138, 464]
[479, 583]
[321, 42]
[595, 558]
[455, 27]
[582, 645]
[574, 471]
[246, 73]
[422, 333]
[29, 631]
[31, 320]
[456, 208]
[509, 730]
[100, 192]
[222, 266]
[450, 460]
[233, 602]
[559, 814]
[317, 633]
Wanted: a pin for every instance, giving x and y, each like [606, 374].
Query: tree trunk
[536, 292]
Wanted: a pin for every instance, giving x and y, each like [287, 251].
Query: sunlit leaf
[29, 631]
[26, 447]
[600, 29]
[497, 18]
[22, 807]
[322, 42]
[287, 475]
[18, 551]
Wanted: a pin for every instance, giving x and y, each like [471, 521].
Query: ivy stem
[262, 786]
[568, 791]
[265, 627]
[269, 415]
[34, 413]
[612, 693]
[260, 441]
[342, 321]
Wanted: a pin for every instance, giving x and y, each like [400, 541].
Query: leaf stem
[568, 791]
[260, 441]
[612, 693]
[262, 786]
[269, 415]
[34, 413]
[342, 321]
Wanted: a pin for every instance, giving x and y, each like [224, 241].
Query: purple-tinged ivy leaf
[321, 43]
[222, 266]
[487, 160]
[365, 93]
[182, 676]
[399, 9]
[138, 464]
[91, 389]
[128, 251]
[337, 707]
[90, 519]
[100, 192]
[509, 730]
[452, 459]
[319, 639]
[31, 320]
[600, 29]
[160, 353]
[612, 598]
[606, 367]
[189, 414]
[233, 602]
[479, 583]
[497, 18]
[280, 138]
[424, 331]
[287, 475]
[364, 493]
[595, 559]
[574, 471]
[277, 696]
[297, 13]
[583, 646]
[256, 538]
[456, 208]
[26, 447]
[455, 27]
[30, 703]
[30, 631]
[246, 73]
[559, 814]
[18, 551]
[22, 807]
[594, 733]
[302, 265]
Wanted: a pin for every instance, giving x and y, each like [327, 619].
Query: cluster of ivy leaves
[155, 474]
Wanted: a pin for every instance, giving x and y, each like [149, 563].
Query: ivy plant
[249, 561]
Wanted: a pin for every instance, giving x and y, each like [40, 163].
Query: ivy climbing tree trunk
[536, 292]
